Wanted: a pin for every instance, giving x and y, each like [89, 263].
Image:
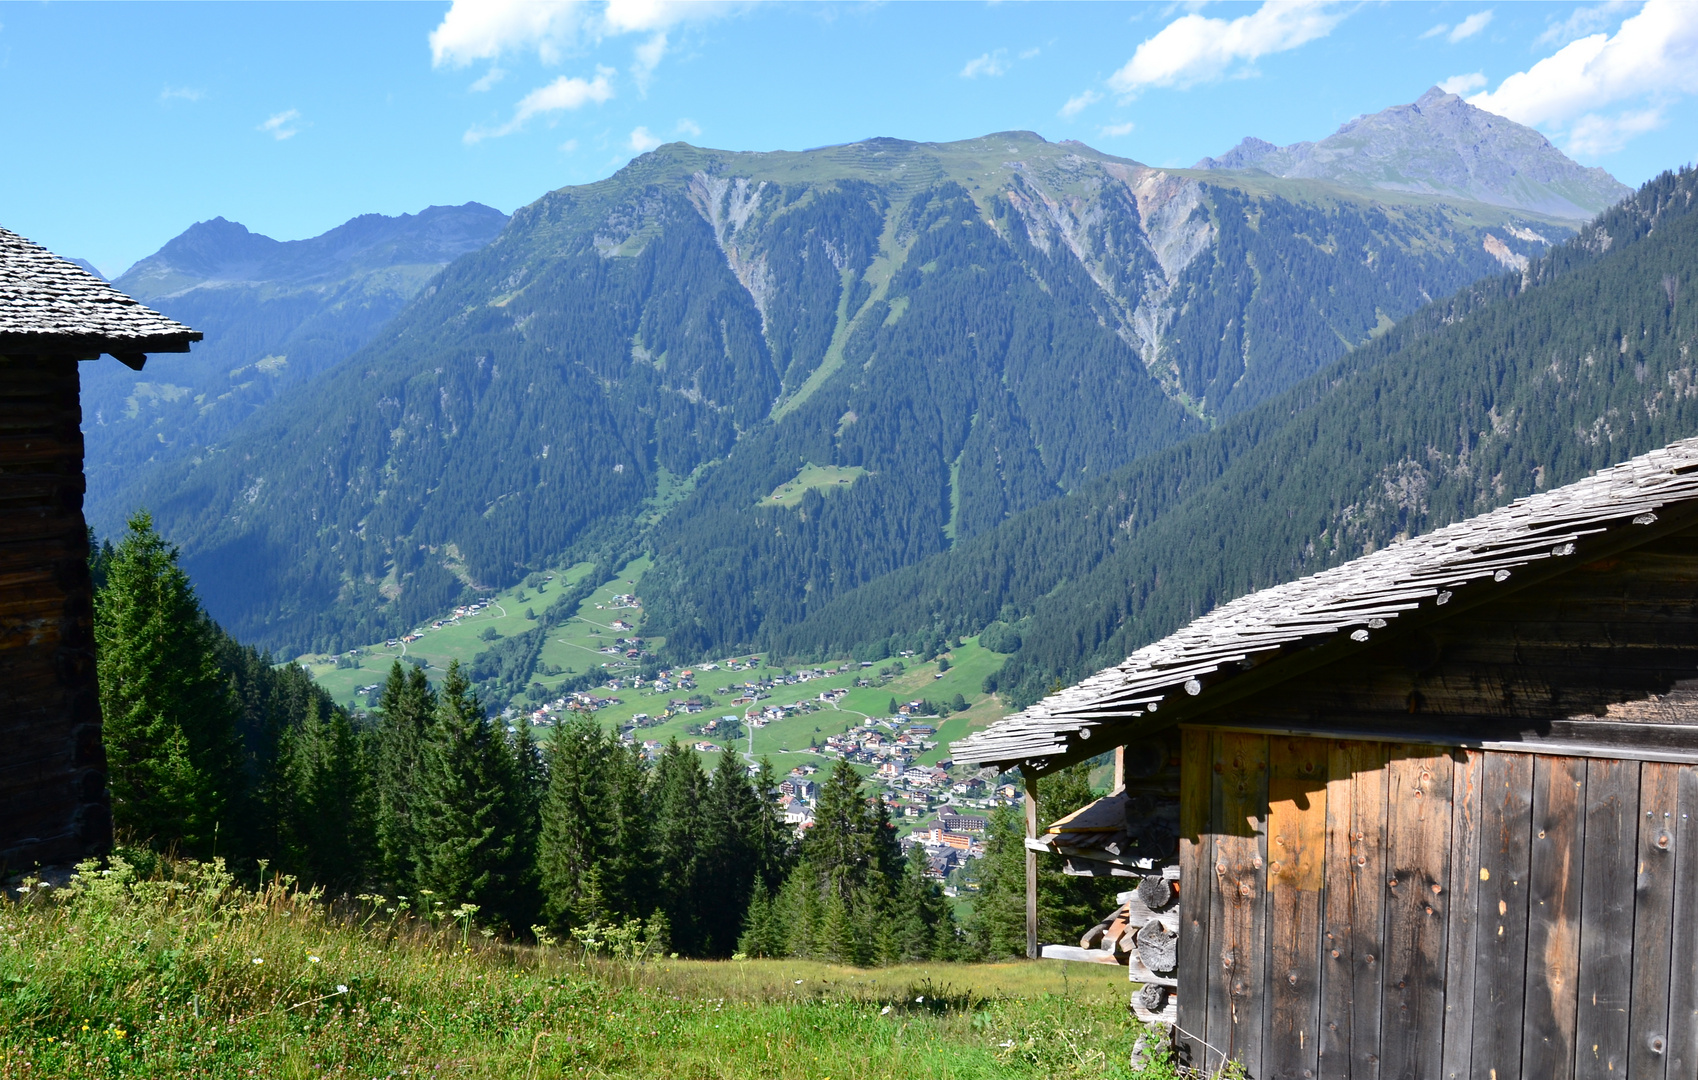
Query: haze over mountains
[275, 314]
[966, 331]
[1440, 145]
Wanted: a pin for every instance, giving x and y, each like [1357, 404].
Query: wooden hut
[53, 314]
[1432, 813]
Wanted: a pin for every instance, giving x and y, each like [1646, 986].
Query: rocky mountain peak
[1439, 145]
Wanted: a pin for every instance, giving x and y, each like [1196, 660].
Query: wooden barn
[1432, 813]
[53, 314]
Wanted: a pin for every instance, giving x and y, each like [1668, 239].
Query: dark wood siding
[53, 804]
[1387, 910]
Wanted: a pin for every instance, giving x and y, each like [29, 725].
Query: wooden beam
[1031, 866]
[1119, 768]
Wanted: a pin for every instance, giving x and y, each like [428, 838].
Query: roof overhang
[1264, 639]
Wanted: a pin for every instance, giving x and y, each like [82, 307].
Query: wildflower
[312, 959]
[257, 960]
[884, 1011]
[340, 989]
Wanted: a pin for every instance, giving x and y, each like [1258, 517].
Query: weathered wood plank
[1605, 983]
[1683, 987]
[1653, 921]
[1418, 785]
[1237, 909]
[1500, 976]
[1366, 853]
[1296, 841]
[1337, 913]
[1553, 923]
[1196, 881]
[1461, 913]
[1031, 809]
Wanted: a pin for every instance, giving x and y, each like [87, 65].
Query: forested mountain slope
[954, 333]
[275, 313]
[1516, 384]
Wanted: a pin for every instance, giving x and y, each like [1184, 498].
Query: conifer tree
[924, 926]
[774, 842]
[173, 763]
[728, 858]
[679, 787]
[568, 852]
[328, 822]
[476, 842]
[407, 708]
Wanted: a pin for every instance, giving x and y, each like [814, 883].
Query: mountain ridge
[962, 331]
[276, 313]
[1434, 146]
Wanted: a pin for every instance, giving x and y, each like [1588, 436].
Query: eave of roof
[49, 305]
[1280, 631]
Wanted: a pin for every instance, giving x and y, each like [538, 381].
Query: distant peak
[1432, 97]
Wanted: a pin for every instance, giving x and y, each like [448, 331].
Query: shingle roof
[1357, 600]
[49, 304]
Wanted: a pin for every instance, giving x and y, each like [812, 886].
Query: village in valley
[893, 718]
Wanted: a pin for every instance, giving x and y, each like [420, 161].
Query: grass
[826, 478]
[186, 974]
[574, 647]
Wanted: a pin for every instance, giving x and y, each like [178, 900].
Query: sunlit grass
[187, 974]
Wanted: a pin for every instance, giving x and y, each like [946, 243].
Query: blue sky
[126, 123]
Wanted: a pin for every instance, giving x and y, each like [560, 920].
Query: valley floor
[197, 977]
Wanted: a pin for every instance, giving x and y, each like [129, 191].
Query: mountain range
[275, 314]
[937, 345]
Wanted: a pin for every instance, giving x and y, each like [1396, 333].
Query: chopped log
[1158, 947]
[1157, 892]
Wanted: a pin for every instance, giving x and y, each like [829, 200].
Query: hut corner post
[1031, 866]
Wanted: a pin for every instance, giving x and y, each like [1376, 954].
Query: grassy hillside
[573, 648]
[189, 975]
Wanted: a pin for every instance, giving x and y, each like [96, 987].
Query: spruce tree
[173, 764]
[328, 821]
[728, 860]
[924, 924]
[407, 708]
[679, 788]
[773, 841]
[573, 814]
[476, 842]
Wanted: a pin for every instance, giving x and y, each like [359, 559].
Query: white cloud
[1115, 131]
[1435, 31]
[1470, 26]
[1463, 84]
[1193, 48]
[1584, 21]
[1648, 63]
[647, 57]
[642, 141]
[991, 63]
[474, 30]
[181, 93]
[568, 146]
[490, 78]
[1027, 54]
[564, 93]
[281, 125]
[688, 127]
[1078, 103]
[1594, 135]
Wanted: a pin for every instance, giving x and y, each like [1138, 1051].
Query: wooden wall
[1368, 909]
[53, 803]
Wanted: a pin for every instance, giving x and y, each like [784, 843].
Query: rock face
[1440, 145]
